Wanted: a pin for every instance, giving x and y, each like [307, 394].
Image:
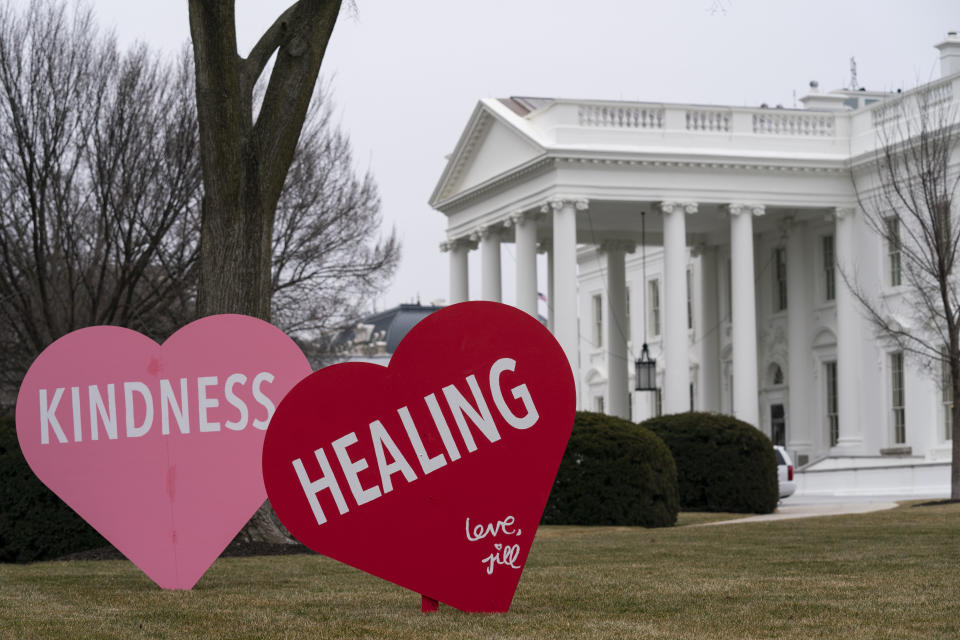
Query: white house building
[750, 220]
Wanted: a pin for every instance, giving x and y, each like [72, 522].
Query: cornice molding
[549, 161]
[477, 129]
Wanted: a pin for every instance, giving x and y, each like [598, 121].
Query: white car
[784, 472]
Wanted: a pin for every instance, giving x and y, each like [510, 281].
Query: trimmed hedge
[723, 464]
[34, 523]
[614, 472]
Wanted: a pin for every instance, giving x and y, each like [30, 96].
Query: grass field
[890, 574]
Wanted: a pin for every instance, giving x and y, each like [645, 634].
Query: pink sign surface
[433, 472]
[159, 447]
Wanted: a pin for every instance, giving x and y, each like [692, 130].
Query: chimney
[949, 55]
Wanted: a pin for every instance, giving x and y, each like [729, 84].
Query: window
[598, 404]
[833, 418]
[893, 250]
[778, 425]
[689, 298]
[780, 279]
[659, 403]
[829, 277]
[654, 295]
[691, 396]
[896, 398]
[598, 320]
[946, 395]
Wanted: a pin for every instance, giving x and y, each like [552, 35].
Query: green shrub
[723, 464]
[34, 523]
[613, 472]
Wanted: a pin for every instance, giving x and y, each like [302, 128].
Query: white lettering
[168, 402]
[469, 415]
[260, 397]
[129, 388]
[352, 469]
[97, 408]
[382, 439]
[427, 464]
[442, 427]
[503, 556]
[326, 481]
[204, 403]
[480, 416]
[77, 424]
[519, 392]
[480, 531]
[232, 399]
[142, 400]
[48, 417]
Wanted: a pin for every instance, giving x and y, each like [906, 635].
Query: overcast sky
[406, 74]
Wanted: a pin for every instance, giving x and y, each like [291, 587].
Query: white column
[707, 330]
[551, 314]
[800, 420]
[617, 361]
[525, 227]
[489, 237]
[745, 379]
[848, 332]
[459, 269]
[676, 367]
[565, 279]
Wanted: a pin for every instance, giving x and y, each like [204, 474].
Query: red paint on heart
[431, 473]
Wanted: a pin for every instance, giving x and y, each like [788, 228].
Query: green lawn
[890, 574]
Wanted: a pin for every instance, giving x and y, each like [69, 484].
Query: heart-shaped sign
[159, 447]
[431, 473]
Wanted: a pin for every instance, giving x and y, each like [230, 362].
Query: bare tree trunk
[955, 424]
[245, 161]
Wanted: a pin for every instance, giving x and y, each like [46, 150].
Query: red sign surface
[431, 473]
[159, 447]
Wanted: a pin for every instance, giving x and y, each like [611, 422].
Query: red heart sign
[431, 473]
[159, 447]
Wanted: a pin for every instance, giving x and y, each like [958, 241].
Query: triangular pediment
[491, 145]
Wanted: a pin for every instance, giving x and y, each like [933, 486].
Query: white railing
[794, 124]
[655, 117]
[928, 98]
[620, 117]
[886, 112]
[936, 94]
[708, 120]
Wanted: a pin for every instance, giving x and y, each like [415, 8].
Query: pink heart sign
[431, 473]
[158, 447]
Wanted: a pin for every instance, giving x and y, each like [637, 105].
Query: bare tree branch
[909, 195]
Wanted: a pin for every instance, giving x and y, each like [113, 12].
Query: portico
[751, 224]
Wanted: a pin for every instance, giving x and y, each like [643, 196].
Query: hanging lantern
[646, 370]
